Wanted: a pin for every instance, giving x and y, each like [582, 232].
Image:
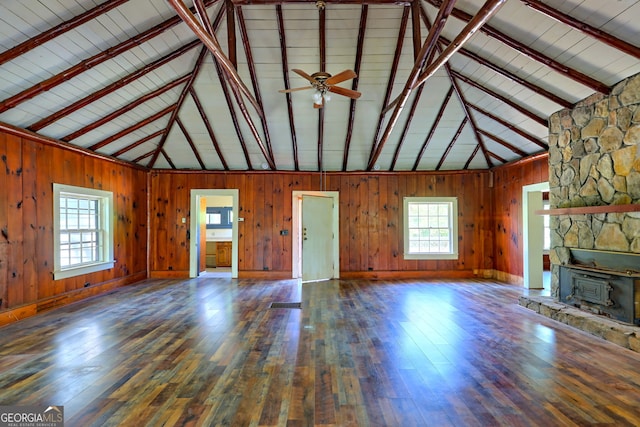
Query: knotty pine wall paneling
[31, 165]
[508, 183]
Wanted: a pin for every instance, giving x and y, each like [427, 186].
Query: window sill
[85, 269]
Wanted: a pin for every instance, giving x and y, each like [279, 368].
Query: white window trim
[453, 201]
[106, 201]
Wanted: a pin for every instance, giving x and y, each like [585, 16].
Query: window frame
[453, 227]
[105, 228]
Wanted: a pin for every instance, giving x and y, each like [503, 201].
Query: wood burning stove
[603, 282]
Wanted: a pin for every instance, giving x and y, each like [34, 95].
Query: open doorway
[224, 230]
[299, 269]
[533, 233]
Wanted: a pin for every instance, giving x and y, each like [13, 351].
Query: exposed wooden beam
[473, 154]
[354, 84]
[583, 27]
[87, 64]
[207, 125]
[495, 156]
[134, 127]
[405, 129]
[191, 143]
[166, 156]
[453, 141]
[392, 77]
[279, 2]
[58, 30]
[323, 65]
[510, 127]
[212, 44]
[503, 143]
[118, 84]
[138, 143]
[130, 106]
[428, 46]
[206, 30]
[531, 53]
[180, 101]
[285, 73]
[538, 119]
[508, 75]
[253, 75]
[434, 126]
[231, 33]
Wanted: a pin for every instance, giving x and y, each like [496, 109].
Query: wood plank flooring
[211, 351]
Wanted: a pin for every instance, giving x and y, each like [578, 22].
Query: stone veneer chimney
[594, 160]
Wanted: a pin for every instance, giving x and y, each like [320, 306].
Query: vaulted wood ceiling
[146, 82]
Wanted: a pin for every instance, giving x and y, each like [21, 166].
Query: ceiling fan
[324, 83]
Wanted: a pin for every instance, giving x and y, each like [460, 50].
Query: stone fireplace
[594, 166]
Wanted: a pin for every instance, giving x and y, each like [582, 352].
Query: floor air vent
[286, 305]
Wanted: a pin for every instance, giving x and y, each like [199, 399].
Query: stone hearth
[624, 335]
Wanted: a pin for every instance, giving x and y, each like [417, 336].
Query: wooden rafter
[453, 141]
[58, 30]
[392, 77]
[87, 64]
[285, 74]
[531, 53]
[140, 124]
[583, 27]
[510, 126]
[209, 128]
[138, 143]
[118, 84]
[194, 149]
[354, 85]
[503, 142]
[130, 106]
[434, 126]
[174, 114]
[231, 33]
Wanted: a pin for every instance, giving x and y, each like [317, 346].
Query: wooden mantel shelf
[590, 210]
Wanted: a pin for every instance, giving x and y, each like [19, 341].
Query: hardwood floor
[211, 351]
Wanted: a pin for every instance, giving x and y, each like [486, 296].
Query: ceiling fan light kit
[324, 83]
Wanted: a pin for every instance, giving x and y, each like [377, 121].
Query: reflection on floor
[217, 272]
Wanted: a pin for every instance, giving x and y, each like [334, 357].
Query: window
[430, 228]
[219, 217]
[83, 224]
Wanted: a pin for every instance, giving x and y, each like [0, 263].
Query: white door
[317, 238]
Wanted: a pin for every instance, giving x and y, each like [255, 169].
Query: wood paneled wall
[508, 183]
[30, 166]
[370, 220]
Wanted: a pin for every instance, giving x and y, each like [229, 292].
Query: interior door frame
[196, 194]
[532, 234]
[296, 230]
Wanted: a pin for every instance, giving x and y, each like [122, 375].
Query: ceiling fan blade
[305, 75]
[295, 89]
[340, 77]
[344, 92]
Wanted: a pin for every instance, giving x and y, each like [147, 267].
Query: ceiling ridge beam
[191, 143]
[128, 107]
[323, 65]
[433, 128]
[532, 53]
[287, 86]
[453, 141]
[132, 128]
[508, 75]
[58, 30]
[364, 12]
[392, 76]
[120, 83]
[209, 128]
[510, 126]
[87, 64]
[178, 105]
[596, 33]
